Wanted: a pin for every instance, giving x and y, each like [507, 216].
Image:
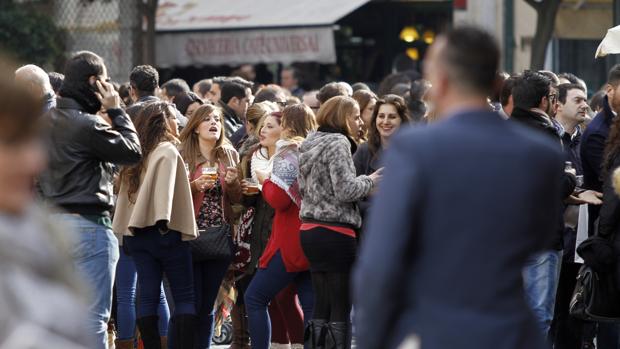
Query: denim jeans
[541, 276]
[95, 254]
[265, 285]
[126, 282]
[208, 277]
[154, 255]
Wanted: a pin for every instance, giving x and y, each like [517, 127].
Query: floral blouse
[211, 212]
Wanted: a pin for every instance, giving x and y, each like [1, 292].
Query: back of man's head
[506, 92]
[613, 78]
[34, 79]
[232, 89]
[555, 81]
[330, 90]
[242, 81]
[82, 66]
[270, 93]
[77, 84]
[175, 87]
[202, 87]
[56, 80]
[144, 79]
[570, 77]
[471, 59]
[530, 90]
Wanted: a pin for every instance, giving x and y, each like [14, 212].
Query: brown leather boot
[164, 342]
[124, 344]
[241, 336]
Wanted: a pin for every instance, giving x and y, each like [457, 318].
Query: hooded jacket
[327, 180]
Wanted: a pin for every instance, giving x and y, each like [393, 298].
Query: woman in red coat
[283, 261]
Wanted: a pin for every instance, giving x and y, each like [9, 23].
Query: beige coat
[164, 194]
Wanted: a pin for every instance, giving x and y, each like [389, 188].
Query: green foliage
[28, 35]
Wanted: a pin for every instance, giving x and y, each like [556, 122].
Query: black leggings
[332, 298]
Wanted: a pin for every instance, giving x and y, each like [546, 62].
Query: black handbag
[214, 243]
[596, 297]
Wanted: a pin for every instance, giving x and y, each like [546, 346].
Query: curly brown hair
[153, 129]
[374, 138]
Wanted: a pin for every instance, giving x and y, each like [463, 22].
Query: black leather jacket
[82, 151]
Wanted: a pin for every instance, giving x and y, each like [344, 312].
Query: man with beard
[82, 150]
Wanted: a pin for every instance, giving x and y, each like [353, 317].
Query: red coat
[284, 232]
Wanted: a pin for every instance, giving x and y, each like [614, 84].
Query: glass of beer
[251, 186]
[210, 172]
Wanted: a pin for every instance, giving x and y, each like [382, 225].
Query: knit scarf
[286, 169]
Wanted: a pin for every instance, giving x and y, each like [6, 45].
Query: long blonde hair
[190, 143]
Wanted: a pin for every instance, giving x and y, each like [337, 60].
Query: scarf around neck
[286, 169]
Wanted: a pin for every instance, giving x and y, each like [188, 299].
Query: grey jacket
[327, 180]
[42, 303]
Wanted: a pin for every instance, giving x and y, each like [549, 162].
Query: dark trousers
[154, 255]
[267, 283]
[208, 276]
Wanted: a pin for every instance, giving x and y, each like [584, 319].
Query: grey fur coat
[327, 180]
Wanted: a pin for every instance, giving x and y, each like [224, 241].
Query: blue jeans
[95, 254]
[265, 285]
[541, 276]
[154, 255]
[126, 282]
[208, 277]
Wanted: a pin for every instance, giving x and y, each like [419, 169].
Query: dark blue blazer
[462, 205]
[593, 146]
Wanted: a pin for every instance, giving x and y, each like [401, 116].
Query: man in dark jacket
[144, 81]
[541, 274]
[594, 139]
[457, 214]
[593, 143]
[82, 150]
[234, 102]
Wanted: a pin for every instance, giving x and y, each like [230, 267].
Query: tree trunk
[150, 31]
[148, 11]
[546, 12]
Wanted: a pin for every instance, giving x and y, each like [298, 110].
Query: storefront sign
[246, 46]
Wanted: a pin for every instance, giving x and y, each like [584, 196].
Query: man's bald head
[34, 79]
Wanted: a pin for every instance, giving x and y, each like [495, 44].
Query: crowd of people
[443, 211]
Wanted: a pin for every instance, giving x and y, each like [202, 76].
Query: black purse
[596, 297]
[214, 243]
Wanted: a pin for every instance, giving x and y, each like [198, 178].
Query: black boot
[184, 331]
[338, 336]
[149, 331]
[314, 335]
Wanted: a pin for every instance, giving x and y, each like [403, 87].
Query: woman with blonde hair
[330, 218]
[283, 261]
[154, 213]
[213, 174]
[254, 222]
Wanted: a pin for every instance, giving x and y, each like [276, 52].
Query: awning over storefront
[214, 32]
